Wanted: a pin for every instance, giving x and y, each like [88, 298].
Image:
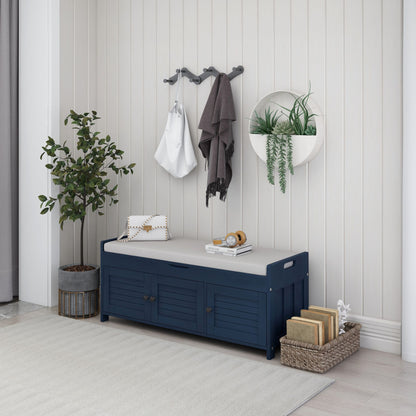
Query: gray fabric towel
[217, 142]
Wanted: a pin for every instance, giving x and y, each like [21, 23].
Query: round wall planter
[78, 292]
[305, 148]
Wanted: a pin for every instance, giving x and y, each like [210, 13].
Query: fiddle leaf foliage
[82, 178]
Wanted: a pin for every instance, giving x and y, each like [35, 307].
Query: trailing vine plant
[279, 145]
[280, 149]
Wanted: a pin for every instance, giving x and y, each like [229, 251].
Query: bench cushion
[188, 251]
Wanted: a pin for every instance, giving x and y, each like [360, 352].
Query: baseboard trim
[409, 356]
[379, 334]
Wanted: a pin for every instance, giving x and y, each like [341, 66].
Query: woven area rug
[50, 365]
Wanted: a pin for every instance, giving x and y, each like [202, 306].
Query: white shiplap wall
[344, 207]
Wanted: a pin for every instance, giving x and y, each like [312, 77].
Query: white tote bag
[175, 152]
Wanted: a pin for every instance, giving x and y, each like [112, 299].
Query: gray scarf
[217, 142]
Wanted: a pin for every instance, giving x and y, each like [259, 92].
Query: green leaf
[44, 211]
[81, 174]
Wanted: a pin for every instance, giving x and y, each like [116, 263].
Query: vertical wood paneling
[150, 81]
[344, 206]
[316, 191]
[190, 97]
[81, 97]
[112, 101]
[235, 56]
[137, 105]
[101, 106]
[124, 109]
[265, 84]
[176, 61]
[283, 79]
[91, 221]
[204, 55]
[163, 104]
[299, 82]
[250, 196]
[67, 88]
[219, 59]
[372, 157]
[392, 158]
[335, 152]
[353, 154]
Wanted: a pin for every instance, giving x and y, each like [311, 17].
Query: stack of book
[228, 251]
[315, 325]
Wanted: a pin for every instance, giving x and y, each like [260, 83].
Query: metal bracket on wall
[197, 79]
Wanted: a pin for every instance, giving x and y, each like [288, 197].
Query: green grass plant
[279, 145]
[264, 125]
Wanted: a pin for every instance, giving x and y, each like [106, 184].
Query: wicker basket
[320, 359]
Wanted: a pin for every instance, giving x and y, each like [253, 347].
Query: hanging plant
[297, 120]
[299, 116]
[264, 125]
[279, 147]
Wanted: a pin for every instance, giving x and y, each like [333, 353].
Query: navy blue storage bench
[175, 284]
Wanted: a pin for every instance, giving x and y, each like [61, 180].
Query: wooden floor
[367, 383]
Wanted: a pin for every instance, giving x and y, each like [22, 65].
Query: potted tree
[83, 186]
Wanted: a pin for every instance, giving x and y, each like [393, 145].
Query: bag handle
[139, 228]
[180, 77]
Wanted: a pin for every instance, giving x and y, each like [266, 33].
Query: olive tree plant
[82, 178]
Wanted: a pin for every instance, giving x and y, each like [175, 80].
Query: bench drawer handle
[289, 264]
[178, 266]
[145, 297]
[208, 309]
[152, 298]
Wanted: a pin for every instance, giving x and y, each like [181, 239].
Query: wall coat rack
[197, 79]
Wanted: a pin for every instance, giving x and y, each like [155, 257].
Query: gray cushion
[182, 250]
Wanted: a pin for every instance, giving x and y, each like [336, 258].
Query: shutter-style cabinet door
[126, 293]
[236, 314]
[178, 303]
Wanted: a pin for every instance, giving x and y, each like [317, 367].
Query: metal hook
[207, 72]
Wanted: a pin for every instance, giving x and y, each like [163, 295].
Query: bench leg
[103, 318]
[270, 353]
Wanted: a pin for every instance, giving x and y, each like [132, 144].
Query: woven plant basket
[320, 359]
